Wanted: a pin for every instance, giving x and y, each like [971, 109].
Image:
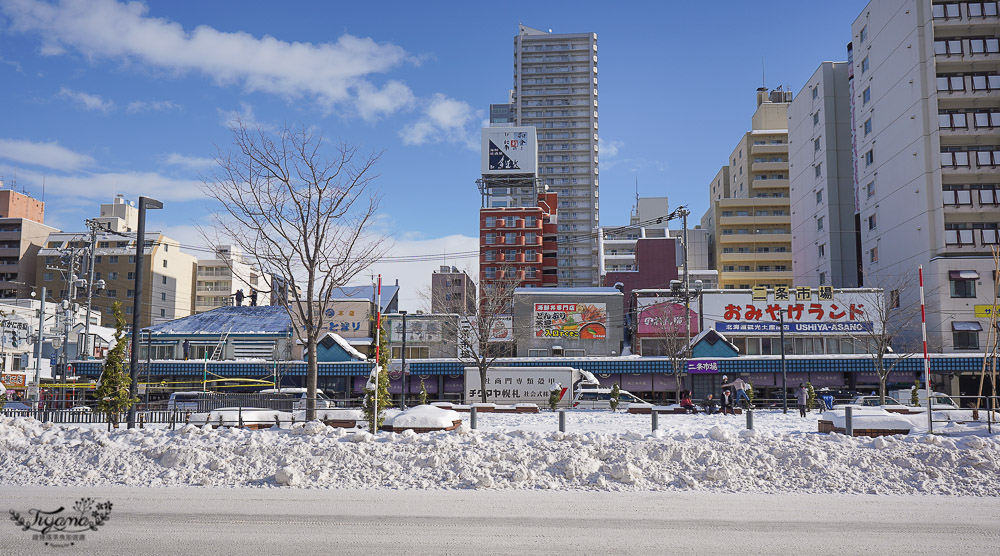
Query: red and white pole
[927, 361]
[378, 346]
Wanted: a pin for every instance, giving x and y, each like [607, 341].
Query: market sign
[664, 317]
[13, 380]
[985, 311]
[805, 312]
[695, 366]
[583, 321]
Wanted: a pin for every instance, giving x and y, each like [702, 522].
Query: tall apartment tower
[821, 182]
[750, 218]
[926, 104]
[555, 90]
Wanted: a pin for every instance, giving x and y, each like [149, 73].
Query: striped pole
[927, 361]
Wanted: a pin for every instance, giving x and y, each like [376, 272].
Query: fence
[85, 417]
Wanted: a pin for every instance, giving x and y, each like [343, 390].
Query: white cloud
[151, 106]
[104, 186]
[47, 155]
[609, 148]
[444, 120]
[332, 73]
[87, 101]
[373, 103]
[415, 277]
[191, 162]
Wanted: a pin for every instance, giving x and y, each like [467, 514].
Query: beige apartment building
[218, 279]
[22, 234]
[169, 273]
[749, 218]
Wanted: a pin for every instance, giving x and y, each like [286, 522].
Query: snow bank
[870, 418]
[332, 415]
[424, 417]
[712, 453]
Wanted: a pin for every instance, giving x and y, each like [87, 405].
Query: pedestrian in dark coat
[239, 297]
[253, 297]
[801, 398]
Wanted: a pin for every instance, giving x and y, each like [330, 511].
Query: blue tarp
[265, 319]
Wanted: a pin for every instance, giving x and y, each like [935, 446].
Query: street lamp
[784, 370]
[406, 383]
[140, 243]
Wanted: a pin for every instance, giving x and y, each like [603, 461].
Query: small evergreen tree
[554, 394]
[811, 400]
[113, 393]
[915, 394]
[423, 393]
[382, 388]
[750, 392]
[615, 395]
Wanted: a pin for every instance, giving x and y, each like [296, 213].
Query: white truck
[513, 385]
[939, 401]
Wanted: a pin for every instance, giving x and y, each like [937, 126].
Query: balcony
[755, 238]
[753, 220]
[768, 166]
[754, 276]
[770, 184]
[769, 149]
[770, 257]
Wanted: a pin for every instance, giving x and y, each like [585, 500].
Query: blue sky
[101, 97]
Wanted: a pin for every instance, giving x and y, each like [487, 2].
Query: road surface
[297, 522]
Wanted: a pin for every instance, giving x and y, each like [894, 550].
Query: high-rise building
[19, 205]
[219, 278]
[22, 234]
[168, 272]
[926, 104]
[752, 240]
[555, 90]
[452, 291]
[821, 185]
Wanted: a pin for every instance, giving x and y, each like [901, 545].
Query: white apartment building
[821, 181]
[218, 279]
[926, 103]
[555, 90]
[616, 244]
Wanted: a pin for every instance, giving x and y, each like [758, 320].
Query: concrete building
[616, 245]
[555, 90]
[925, 78]
[519, 240]
[218, 279]
[19, 205]
[452, 291]
[20, 241]
[169, 273]
[571, 322]
[752, 239]
[821, 186]
[427, 336]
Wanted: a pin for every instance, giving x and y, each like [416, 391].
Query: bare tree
[304, 214]
[479, 338]
[670, 338]
[895, 315]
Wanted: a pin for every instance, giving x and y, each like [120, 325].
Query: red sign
[666, 319]
[13, 381]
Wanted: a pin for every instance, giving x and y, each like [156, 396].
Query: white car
[871, 401]
[301, 397]
[600, 398]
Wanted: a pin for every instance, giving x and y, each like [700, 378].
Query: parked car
[600, 398]
[301, 397]
[871, 401]
[939, 401]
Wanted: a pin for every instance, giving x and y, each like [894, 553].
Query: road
[298, 522]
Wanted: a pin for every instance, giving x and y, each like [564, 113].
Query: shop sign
[583, 321]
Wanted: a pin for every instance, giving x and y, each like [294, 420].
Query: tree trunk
[483, 367]
[311, 377]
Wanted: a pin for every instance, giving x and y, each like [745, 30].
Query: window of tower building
[963, 283]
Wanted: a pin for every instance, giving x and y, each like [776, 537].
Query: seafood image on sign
[586, 321]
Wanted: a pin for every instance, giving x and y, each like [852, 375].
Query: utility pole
[404, 380]
[784, 373]
[687, 280]
[86, 352]
[140, 246]
[40, 339]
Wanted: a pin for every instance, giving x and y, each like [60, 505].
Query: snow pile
[424, 417]
[870, 418]
[692, 452]
[332, 415]
[235, 416]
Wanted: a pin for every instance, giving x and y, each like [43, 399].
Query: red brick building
[520, 240]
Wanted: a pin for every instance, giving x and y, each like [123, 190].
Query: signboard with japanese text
[583, 321]
[702, 366]
[13, 380]
[349, 319]
[419, 330]
[663, 317]
[509, 150]
[736, 312]
[520, 385]
[985, 311]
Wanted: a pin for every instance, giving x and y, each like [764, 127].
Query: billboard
[805, 312]
[509, 151]
[658, 316]
[582, 321]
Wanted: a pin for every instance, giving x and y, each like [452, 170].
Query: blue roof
[365, 293]
[265, 319]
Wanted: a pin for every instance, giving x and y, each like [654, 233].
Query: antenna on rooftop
[763, 82]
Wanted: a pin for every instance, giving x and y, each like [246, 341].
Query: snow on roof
[578, 291]
[266, 319]
[345, 345]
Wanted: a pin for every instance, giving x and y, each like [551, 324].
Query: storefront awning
[963, 275]
[966, 326]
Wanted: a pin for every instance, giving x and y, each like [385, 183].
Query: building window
[952, 121]
[112, 275]
[130, 276]
[948, 47]
[815, 92]
[873, 255]
[48, 276]
[164, 263]
[816, 118]
[112, 259]
[129, 294]
[982, 9]
[945, 11]
[868, 126]
[163, 296]
[97, 259]
[984, 46]
[818, 170]
[870, 157]
[530, 221]
[164, 278]
[989, 82]
[986, 119]
[872, 223]
[866, 95]
[491, 222]
[491, 239]
[816, 144]
[989, 157]
[864, 65]
[819, 196]
[965, 339]
[510, 238]
[819, 223]
[950, 83]
[822, 278]
[163, 313]
[103, 244]
[870, 189]
[491, 273]
[961, 287]
[112, 293]
[953, 159]
[491, 256]
[863, 35]
[822, 250]
[131, 259]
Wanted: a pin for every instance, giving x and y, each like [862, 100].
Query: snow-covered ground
[599, 451]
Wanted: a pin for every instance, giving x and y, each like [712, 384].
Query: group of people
[734, 393]
[239, 296]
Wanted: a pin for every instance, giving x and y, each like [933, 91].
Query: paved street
[253, 521]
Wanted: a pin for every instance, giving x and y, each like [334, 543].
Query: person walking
[740, 389]
[801, 397]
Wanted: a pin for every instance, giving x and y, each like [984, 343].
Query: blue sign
[800, 327]
[695, 366]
